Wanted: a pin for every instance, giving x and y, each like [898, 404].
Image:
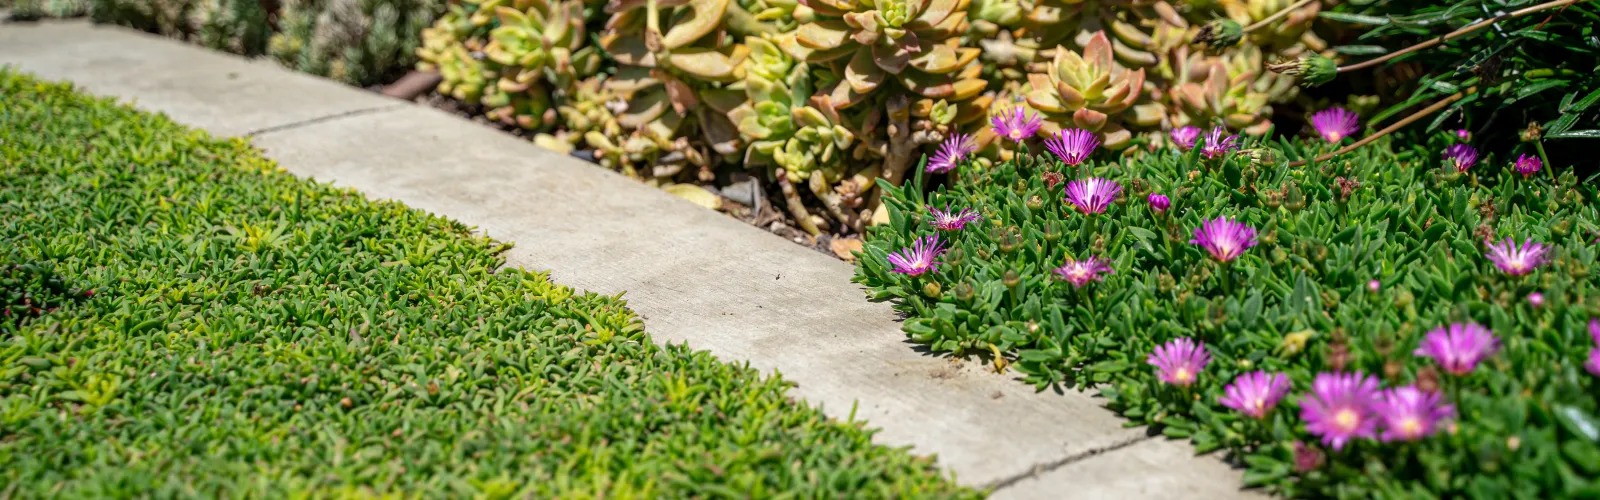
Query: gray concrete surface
[696, 276]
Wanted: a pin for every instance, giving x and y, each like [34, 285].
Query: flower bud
[1011, 279]
[1312, 69]
[932, 289]
[1220, 33]
[965, 292]
[1533, 133]
[1293, 198]
[1159, 203]
[1035, 202]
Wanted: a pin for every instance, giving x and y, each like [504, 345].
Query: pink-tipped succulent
[1218, 144]
[1335, 124]
[919, 258]
[1460, 157]
[1092, 195]
[950, 220]
[1256, 393]
[1514, 259]
[1185, 136]
[1082, 272]
[1180, 361]
[1072, 145]
[1015, 124]
[951, 152]
[1224, 238]
[1410, 413]
[1341, 407]
[1159, 203]
[1458, 348]
[1527, 165]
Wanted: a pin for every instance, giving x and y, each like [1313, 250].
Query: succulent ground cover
[1409, 319]
[184, 319]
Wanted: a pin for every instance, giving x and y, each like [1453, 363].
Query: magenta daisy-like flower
[1072, 145]
[1594, 331]
[1185, 136]
[1159, 202]
[1015, 124]
[1410, 413]
[1225, 239]
[1593, 365]
[951, 152]
[1092, 195]
[1081, 272]
[1460, 157]
[1335, 124]
[919, 257]
[1341, 407]
[1459, 348]
[1256, 393]
[1527, 165]
[1536, 299]
[1516, 260]
[1463, 135]
[1218, 144]
[1180, 361]
[950, 220]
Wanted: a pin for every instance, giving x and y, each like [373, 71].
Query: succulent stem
[1469, 29]
[796, 209]
[741, 22]
[1431, 109]
[1276, 16]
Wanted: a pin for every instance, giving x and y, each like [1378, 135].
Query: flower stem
[1469, 29]
[1548, 168]
[1277, 15]
[1431, 109]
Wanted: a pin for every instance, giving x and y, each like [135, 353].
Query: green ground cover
[183, 319]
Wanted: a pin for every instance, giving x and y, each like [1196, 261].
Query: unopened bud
[1220, 33]
[932, 290]
[1312, 69]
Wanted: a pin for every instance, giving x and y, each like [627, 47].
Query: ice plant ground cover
[183, 319]
[1354, 328]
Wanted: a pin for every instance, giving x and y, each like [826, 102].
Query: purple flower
[1179, 362]
[1463, 134]
[919, 257]
[1072, 145]
[1185, 136]
[1410, 413]
[1594, 331]
[949, 220]
[1081, 272]
[951, 152]
[1217, 145]
[1092, 195]
[1593, 365]
[1536, 299]
[1159, 202]
[1255, 393]
[1460, 157]
[1516, 260]
[1374, 285]
[1015, 124]
[1341, 407]
[1226, 239]
[1335, 124]
[1527, 165]
[1459, 348]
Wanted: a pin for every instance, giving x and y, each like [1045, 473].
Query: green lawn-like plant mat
[1358, 262]
[183, 319]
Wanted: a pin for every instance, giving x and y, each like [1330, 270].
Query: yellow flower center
[1334, 137]
[1182, 375]
[1347, 419]
[1411, 427]
[1016, 135]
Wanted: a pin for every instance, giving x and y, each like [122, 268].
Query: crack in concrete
[325, 119]
[1041, 468]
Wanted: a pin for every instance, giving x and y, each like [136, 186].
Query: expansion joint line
[325, 119]
[1041, 468]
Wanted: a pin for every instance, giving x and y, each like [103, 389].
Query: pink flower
[1459, 348]
[1527, 165]
[1072, 145]
[1516, 260]
[1341, 407]
[1460, 157]
[1255, 393]
[951, 152]
[1225, 239]
[1410, 413]
[949, 220]
[1185, 136]
[1335, 124]
[1081, 272]
[1217, 144]
[1159, 202]
[1015, 124]
[919, 257]
[1092, 195]
[1179, 362]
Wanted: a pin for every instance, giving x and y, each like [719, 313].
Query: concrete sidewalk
[695, 275]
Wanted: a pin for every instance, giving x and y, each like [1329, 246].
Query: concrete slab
[223, 94]
[1155, 468]
[696, 276]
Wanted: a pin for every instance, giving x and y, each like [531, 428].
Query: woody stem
[1277, 15]
[1469, 29]
[1431, 109]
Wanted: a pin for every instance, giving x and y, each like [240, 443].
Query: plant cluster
[359, 42]
[256, 335]
[1398, 321]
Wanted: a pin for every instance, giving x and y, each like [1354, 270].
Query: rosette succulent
[871, 44]
[1089, 91]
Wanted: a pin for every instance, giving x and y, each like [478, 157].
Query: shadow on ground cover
[1355, 264]
[254, 334]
